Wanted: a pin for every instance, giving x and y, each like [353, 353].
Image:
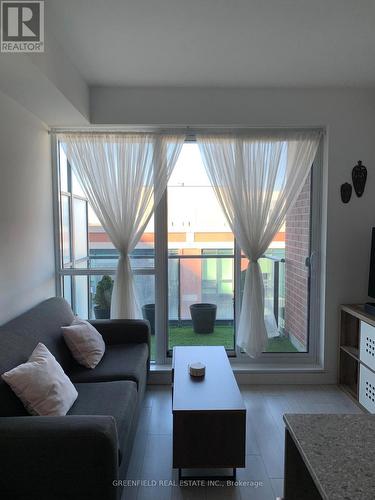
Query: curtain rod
[188, 131]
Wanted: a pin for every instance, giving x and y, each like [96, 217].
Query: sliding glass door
[200, 259]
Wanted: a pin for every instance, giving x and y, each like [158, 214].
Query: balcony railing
[278, 288]
[273, 270]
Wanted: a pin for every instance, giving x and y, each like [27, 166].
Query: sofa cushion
[20, 336]
[118, 399]
[120, 362]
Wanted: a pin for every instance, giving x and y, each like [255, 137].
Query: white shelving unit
[357, 355]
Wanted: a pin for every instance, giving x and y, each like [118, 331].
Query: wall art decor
[346, 192]
[359, 177]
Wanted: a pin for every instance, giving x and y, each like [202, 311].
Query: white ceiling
[226, 43]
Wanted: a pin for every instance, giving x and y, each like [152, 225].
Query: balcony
[206, 278]
[220, 291]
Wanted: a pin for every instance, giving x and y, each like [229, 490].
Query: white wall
[349, 117]
[55, 65]
[31, 81]
[26, 222]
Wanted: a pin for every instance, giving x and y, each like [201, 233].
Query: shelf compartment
[349, 372]
[349, 334]
[352, 351]
[367, 389]
[367, 347]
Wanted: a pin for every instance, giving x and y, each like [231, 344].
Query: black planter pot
[148, 312]
[102, 313]
[203, 316]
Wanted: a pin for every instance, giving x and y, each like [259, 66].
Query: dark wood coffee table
[209, 414]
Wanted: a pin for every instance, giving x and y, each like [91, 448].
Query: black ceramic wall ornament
[359, 177]
[346, 192]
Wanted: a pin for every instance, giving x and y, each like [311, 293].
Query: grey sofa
[81, 455]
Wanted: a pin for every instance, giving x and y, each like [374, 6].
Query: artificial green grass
[185, 335]
[280, 344]
[222, 335]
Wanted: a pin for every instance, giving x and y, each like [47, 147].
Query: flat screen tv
[370, 306]
[371, 279]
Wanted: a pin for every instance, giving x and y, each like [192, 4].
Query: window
[88, 259]
[73, 237]
[203, 264]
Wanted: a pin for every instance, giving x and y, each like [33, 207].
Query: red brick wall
[297, 248]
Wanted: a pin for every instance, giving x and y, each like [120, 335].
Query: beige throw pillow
[41, 384]
[85, 342]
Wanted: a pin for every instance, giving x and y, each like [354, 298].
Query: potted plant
[102, 298]
[203, 316]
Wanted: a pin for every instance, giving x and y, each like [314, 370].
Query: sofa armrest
[73, 457]
[123, 331]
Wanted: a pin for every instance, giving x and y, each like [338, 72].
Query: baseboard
[162, 375]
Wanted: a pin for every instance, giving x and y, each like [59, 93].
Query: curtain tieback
[123, 254]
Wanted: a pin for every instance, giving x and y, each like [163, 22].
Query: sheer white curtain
[124, 177]
[256, 179]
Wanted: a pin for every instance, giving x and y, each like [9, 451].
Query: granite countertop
[339, 452]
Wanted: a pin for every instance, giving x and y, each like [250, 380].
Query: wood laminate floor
[150, 467]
